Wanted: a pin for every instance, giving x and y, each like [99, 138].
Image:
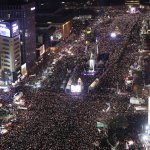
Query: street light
[113, 35]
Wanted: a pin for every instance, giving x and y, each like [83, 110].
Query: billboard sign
[5, 29]
[14, 29]
[9, 29]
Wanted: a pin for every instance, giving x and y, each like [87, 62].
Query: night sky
[56, 3]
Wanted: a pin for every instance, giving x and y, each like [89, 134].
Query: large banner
[5, 29]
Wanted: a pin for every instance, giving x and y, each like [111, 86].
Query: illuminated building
[41, 50]
[62, 29]
[51, 27]
[24, 12]
[10, 50]
[132, 2]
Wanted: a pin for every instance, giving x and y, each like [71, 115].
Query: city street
[53, 119]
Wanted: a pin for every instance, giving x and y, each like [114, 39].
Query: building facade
[62, 30]
[10, 51]
[24, 12]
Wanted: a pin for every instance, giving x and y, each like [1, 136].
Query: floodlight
[132, 10]
[113, 35]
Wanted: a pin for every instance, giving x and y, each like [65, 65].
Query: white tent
[94, 84]
[136, 101]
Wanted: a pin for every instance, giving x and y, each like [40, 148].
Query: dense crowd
[58, 121]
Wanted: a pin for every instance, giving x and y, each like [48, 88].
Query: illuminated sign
[15, 29]
[9, 29]
[4, 29]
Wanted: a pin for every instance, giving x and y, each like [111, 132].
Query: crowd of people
[59, 121]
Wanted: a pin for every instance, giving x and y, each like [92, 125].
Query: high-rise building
[132, 2]
[24, 12]
[10, 52]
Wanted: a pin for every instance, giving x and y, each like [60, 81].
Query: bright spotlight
[75, 88]
[113, 35]
[132, 9]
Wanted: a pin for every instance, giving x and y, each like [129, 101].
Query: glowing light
[32, 8]
[75, 88]
[131, 142]
[3, 131]
[1, 104]
[149, 110]
[6, 90]
[38, 84]
[19, 102]
[145, 137]
[2, 25]
[132, 9]
[4, 30]
[147, 127]
[113, 35]
[52, 38]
